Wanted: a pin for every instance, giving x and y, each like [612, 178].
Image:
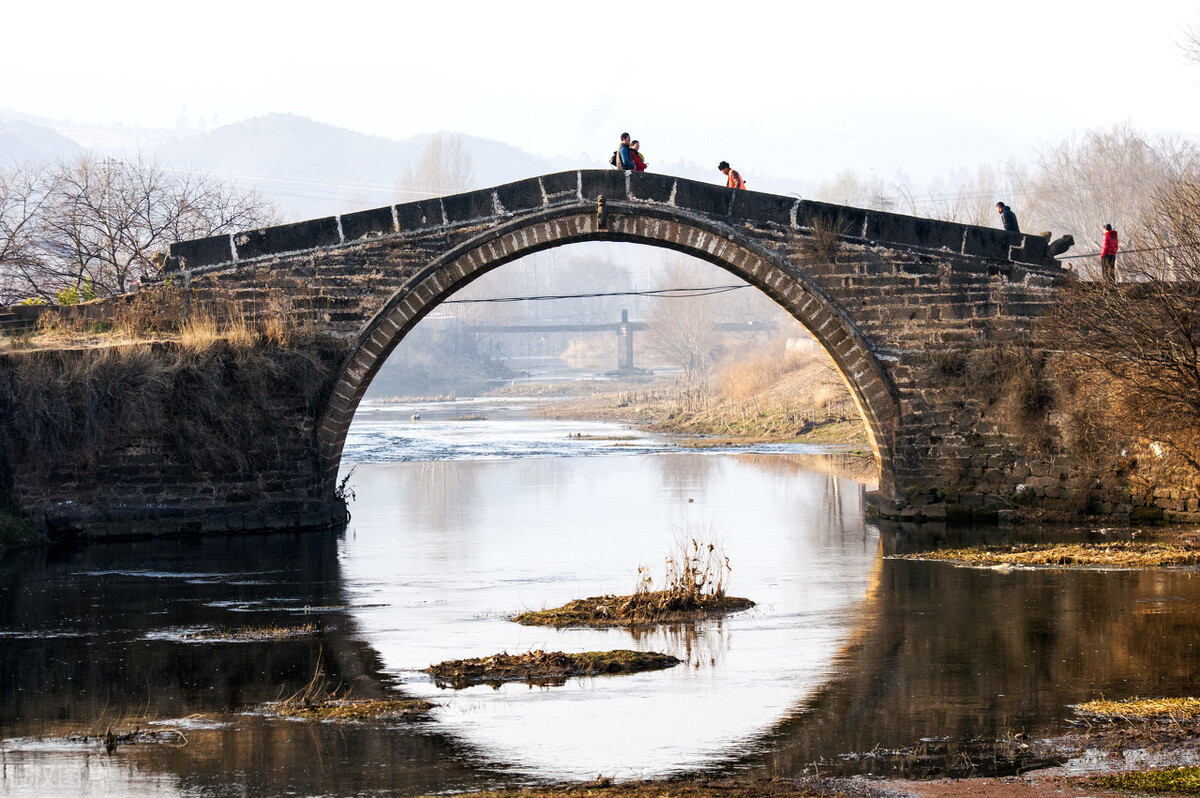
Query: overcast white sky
[796, 89]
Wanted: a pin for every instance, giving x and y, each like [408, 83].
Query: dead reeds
[693, 588]
[827, 234]
[1143, 708]
[322, 699]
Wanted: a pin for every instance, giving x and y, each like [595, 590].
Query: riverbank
[1165, 548]
[1105, 758]
[701, 420]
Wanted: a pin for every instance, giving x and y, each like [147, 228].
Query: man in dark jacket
[625, 154]
[1008, 217]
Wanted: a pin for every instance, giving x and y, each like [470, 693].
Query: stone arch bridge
[881, 292]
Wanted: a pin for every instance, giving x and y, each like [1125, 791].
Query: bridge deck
[583, 188]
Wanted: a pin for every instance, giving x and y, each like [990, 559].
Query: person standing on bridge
[639, 163]
[734, 179]
[1108, 255]
[1008, 218]
[625, 155]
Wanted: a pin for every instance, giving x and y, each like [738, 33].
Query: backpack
[615, 160]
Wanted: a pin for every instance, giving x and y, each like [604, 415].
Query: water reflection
[961, 654]
[95, 637]
[846, 653]
[541, 532]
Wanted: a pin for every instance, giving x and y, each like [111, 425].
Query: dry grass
[321, 700]
[157, 314]
[744, 787]
[827, 235]
[636, 610]
[348, 709]
[1118, 554]
[1173, 781]
[545, 667]
[254, 633]
[203, 401]
[1143, 708]
[201, 331]
[695, 575]
[114, 736]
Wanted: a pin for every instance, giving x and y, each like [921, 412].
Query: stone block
[287, 238]
[704, 198]
[368, 224]
[202, 252]
[419, 215]
[474, 206]
[651, 187]
[609, 184]
[559, 187]
[924, 233]
[755, 206]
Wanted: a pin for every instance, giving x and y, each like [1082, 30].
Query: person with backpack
[639, 163]
[622, 158]
[734, 179]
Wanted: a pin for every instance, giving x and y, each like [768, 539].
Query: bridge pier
[624, 344]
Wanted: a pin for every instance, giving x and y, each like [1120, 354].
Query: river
[468, 512]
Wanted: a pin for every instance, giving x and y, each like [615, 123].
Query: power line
[662, 293]
[1127, 251]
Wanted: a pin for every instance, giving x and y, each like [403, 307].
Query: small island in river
[545, 667]
[653, 607]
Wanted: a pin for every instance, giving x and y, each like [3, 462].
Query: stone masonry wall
[88, 463]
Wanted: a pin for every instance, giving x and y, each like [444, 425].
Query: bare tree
[683, 330]
[972, 199]
[23, 193]
[444, 168]
[847, 188]
[98, 224]
[1135, 346]
[1103, 177]
[1191, 44]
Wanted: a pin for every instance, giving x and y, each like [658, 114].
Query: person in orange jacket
[1108, 255]
[734, 179]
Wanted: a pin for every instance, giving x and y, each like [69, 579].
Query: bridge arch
[722, 245]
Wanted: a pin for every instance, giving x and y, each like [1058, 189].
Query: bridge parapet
[584, 187]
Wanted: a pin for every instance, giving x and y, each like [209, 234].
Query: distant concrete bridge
[879, 291]
[623, 328]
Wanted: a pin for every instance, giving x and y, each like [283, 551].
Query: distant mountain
[23, 141]
[313, 169]
[308, 168]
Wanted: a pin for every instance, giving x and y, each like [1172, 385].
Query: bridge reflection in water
[93, 636]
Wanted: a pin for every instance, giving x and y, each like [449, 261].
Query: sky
[799, 89]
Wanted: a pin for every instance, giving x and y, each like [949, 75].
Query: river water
[466, 513]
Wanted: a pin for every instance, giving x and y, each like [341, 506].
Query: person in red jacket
[1108, 255]
[639, 163]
